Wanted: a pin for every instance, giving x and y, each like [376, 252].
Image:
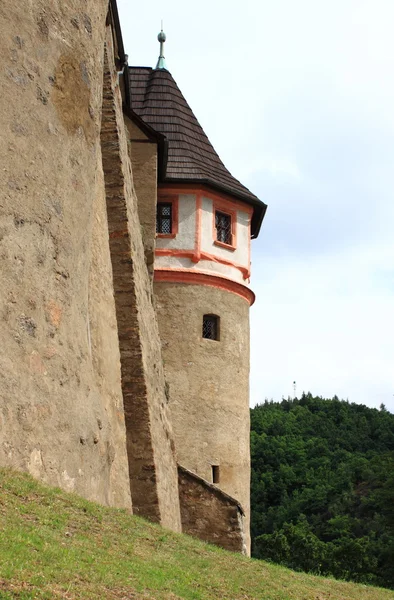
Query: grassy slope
[57, 545]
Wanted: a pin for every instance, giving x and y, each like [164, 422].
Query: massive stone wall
[60, 395]
[151, 450]
[83, 399]
[74, 359]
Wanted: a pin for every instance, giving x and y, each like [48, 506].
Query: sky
[297, 98]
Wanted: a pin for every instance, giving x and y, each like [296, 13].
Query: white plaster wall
[184, 240]
[206, 266]
[241, 254]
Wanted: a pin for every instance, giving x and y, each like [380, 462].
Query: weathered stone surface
[208, 383]
[210, 514]
[143, 154]
[83, 398]
[152, 462]
[60, 395]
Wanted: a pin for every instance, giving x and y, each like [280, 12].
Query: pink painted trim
[249, 249]
[202, 278]
[203, 256]
[223, 245]
[197, 238]
[173, 188]
[175, 252]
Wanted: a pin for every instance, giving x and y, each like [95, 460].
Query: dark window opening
[210, 327]
[164, 217]
[215, 474]
[223, 228]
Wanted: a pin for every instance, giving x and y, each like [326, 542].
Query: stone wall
[150, 446]
[83, 398]
[143, 155]
[61, 408]
[208, 383]
[210, 514]
[74, 360]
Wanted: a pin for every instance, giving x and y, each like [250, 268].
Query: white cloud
[325, 323]
[297, 98]
[279, 168]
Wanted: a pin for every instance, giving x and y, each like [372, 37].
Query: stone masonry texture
[210, 514]
[208, 383]
[61, 408]
[64, 368]
[150, 446]
[143, 154]
[84, 401]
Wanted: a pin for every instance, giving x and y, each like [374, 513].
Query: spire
[161, 63]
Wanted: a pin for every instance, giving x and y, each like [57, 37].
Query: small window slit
[215, 474]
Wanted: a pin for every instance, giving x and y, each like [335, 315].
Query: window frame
[225, 210]
[217, 327]
[173, 202]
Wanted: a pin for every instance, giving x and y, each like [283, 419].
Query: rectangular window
[210, 327]
[164, 218]
[223, 228]
[215, 474]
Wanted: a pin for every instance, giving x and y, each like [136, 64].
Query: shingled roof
[157, 100]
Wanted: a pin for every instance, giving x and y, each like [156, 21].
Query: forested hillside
[323, 488]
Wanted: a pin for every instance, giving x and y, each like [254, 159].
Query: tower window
[223, 227]
[164, 218]
[215, 474]
[210, 327]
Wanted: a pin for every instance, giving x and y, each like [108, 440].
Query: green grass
[57, 545]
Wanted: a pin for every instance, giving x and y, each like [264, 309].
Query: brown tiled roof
[156, 98]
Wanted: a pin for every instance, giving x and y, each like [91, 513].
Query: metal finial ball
[161, 37]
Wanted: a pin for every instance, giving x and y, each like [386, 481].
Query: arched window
[210, 327]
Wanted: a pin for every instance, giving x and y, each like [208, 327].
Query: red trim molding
[197, 240]
[174, 188]
[203, 256]
[200, 278]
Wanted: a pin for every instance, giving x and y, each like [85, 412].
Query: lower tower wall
[210, 514]
[208, 384]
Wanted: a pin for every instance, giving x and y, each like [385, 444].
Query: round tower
[204, 224]
[201, 270]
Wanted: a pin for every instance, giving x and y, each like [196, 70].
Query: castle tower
[204, 225]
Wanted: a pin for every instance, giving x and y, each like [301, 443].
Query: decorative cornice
[194, 277]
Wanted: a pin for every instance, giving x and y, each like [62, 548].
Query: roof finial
[161, 63]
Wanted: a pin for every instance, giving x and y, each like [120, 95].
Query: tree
[323, 487]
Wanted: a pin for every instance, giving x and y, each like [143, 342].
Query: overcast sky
[297, 97]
